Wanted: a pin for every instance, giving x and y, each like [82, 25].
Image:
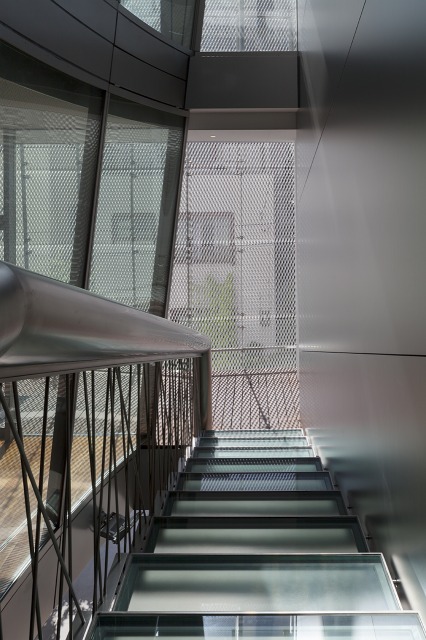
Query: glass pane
[249, 25]
[398, 626]
[49, 135]
[257, 583]
[136, 207]
[238, 287]
[252, 433]
[172, 18]
[254, 507]
[251, 465]
[283, 452]
[280, 481]
[245, 535]
[248, 442]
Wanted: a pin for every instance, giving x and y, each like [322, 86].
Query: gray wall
[361, 260]
[114, 47]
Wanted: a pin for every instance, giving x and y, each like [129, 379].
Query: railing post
[205, 391]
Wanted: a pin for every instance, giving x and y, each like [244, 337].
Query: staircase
[256, 542]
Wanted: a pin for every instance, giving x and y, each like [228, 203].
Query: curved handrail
[48, 327]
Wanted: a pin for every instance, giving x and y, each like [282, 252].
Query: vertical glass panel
[211, 466]
[280, 481]
[49, 135]
[254, 507]
[287, 452]
[173, 18]
[137, 200]
[248, 442]
[249, 536]
[398, 626]
[249, 25]
[252, 433]
[257, 583]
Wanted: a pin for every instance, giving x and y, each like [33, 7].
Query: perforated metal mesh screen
[249, 25]
[138, 189]
[44, 143]
[234, 277]
[249, 482]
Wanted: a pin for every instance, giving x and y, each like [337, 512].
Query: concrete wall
[361, 226]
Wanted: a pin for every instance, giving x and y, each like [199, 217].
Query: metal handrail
[48, 327]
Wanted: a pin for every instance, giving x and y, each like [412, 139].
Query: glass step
[363, 626]
[253, 452]
[254, 464]
[299, 503]
[249, 442]
[256, 481]
[265, 584]
[341, 534]
[252, 433]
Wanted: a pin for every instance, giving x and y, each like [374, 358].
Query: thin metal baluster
[101, 492]
[34, 604]
[163, 423]
[126, 453]
[40, 502]
[112, 409]
[90, 443]
[114, 453]
[64, 517]
[127, 423]
[225, 401]
[96, 509]
[71, 396]
[126, 417]
[34, 594]
[151, 438]
[233, 401]
[138, 505]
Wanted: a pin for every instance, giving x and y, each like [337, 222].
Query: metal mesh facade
[138, 191]
[249, 25]
[234, 277]
[45, 144]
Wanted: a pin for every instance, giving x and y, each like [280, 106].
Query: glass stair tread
[232, 503]
[253, 452]
[262, 583]
[341, 534]
[401, 625]
[252, 433]
[249, 442]
[253, 464]
[256, 481]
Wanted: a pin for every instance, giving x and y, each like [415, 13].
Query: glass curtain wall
[136, 209]
[172, 18]
[249, 25]
[50, 126]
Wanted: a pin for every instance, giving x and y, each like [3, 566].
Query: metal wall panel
[361, 216]
[96, 14]
[47, 24]
[361, 261]
[141, 78]
[232, 81]
[147, 47]
[98, 42]
[325, 36]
